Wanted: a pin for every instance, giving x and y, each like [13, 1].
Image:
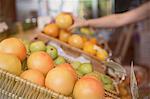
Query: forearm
[111, 21]
[117, 20]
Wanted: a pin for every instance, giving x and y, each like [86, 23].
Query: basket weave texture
[14, 87]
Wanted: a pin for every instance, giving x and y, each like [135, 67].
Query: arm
[117, 20]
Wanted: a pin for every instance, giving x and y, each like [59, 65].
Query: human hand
[78, 22]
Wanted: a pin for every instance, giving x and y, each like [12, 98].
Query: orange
[64, 35]
[102, 54]
[84, 39]
[64, 20]
[93, 40]
[76, 41]
[51, 30]
[89, 48]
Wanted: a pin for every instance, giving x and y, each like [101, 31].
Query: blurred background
[125, 47]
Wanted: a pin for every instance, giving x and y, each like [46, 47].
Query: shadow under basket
[14, 87]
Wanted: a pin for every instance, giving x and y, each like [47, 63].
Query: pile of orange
[59, 30]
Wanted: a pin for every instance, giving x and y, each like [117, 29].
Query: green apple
[79, 73]
[52, 51]
[95, 74]
[37, 46]
[109, 87]
[59, 60]
[85, 68]
[75, 64]
[106, 79]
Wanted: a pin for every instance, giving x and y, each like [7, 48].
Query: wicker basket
[14, 87]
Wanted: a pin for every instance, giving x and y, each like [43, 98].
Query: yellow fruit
[40, 61]
[89, 48]
[34, 76]
[64, 35]
[93, 40]
[10, 63]
[13, 46]
[88, 87]
[51, 30]
[84, 39]
[64, 20]
[61, 79]
[76, 41]
[102, 54]
[86, 30]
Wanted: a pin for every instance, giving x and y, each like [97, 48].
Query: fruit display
[47, 68]
[59, 30]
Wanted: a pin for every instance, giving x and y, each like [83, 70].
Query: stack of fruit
[59, 30]
[46, 68]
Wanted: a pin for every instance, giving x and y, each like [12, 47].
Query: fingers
[78, 22]
[71, 27]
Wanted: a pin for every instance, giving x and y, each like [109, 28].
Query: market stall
[42, 58]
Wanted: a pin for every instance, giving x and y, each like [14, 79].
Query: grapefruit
[61, 79]
[10, 63]
[33, 76]
[40, 61]
[88, 88]
[13, 46]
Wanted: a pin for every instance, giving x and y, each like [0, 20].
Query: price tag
[3, 27]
